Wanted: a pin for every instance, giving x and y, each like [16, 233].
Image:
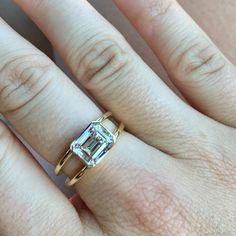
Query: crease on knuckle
[197, 61]
[22, 79]
[102, 63]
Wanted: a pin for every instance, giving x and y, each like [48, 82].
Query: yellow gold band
[62, 162]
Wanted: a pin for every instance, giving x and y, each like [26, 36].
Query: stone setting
[93, 144]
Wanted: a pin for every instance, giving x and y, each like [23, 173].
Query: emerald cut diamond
[93, 144]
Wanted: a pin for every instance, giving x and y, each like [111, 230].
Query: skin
[172, 171]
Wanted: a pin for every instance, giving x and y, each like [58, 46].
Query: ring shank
[62, 162]
[76, 178]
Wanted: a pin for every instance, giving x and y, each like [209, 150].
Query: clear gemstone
[93, 144]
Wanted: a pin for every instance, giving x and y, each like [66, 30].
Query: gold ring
[90, 147]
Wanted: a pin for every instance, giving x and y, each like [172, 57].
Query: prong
[92, 129]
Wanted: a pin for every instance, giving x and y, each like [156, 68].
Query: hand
[171, 173]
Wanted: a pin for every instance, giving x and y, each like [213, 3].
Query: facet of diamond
[93, 144]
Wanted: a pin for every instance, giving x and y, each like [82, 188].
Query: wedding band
[90, 147]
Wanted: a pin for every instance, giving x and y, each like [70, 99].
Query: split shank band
[90, 147]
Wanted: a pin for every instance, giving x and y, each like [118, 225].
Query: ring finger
[104, 63]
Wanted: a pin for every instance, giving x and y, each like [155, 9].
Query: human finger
[30, 202]
[197, 67]
[49, 111]
[117, 78]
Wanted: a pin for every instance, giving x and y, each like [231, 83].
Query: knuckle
[101, 63]
[22, 79]
[197, 61]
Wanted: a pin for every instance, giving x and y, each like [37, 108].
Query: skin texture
[172, 171]
[217, 18]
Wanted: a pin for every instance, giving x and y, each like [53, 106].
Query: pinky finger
[29, 202]
[196, 66]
